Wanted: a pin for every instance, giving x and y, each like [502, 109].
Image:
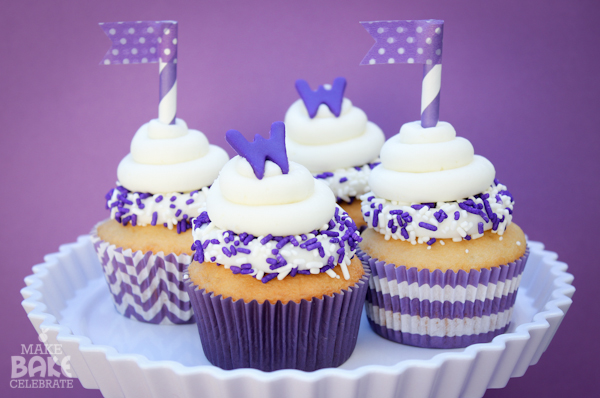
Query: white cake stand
[68, 301]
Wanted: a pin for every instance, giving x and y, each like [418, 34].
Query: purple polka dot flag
[142, 42]
[411, 42]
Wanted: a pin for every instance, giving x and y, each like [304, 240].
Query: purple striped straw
[412, 42]
[141, 42]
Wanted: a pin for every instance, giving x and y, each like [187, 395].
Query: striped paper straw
[142, 42]
[412, 42]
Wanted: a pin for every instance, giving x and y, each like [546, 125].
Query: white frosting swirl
[279, 204]
[421, 165]
[327, 142]
[170, 158]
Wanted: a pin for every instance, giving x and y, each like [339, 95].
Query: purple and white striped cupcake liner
[309, 335]
[147, 287]
[435, 309]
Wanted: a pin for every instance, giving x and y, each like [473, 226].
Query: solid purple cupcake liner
[146, 287]
[436, 309]
[309, 335]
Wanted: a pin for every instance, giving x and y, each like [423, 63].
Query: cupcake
[334, 140]
[446, 258]
[145, 245]
[274, 283]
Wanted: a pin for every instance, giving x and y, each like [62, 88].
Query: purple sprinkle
[313, 246]
[468, 237]
[498, 199]
[427, 226]
[114, 204]
[488, 209]
[154, 218]
[456, 215]
[304, 237]
[343, 179]
[327, 174]
[138, 201]
[330, 233]
[334, 240]
[480, 227]
[172, 206]
[431, 241]
[321, 251]
[235, 270]
[496, 182]
[394, 228]
[341, 257]
[173, 198]
[246, 271]
[178, 213]
[294, 271]
[330, 261]
[266, 239]
[141, 206]
[213, 259]
[215, 241]
[397, 211]
[293, 241]
[165, 224]
[373, 165]
[417, 207]
[390, 223]
[246, 266]
[158, 199]
[404, 233]
[122, 210]
[282, 242]
[271, 261]
[468, 208]
[242, 250]
[193, 193]
[407, 217]
[275, 251]
[126, 220]
[268, 277]
[304, 272]
[370, 198]
[122, 189]
[133, 220]
[205, 244]
[226, 251]
[375, 217]
[232, 250]
[367, 214]
[331, 224]
[189, 201]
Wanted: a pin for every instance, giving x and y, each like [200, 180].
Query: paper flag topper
[261, 150]
[143, 42]
[331, 96]
[140, 42]
[412, 42]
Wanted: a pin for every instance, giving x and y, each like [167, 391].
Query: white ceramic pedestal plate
[67, 299]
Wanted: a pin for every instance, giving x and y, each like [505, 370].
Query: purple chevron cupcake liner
[309, 335]
[147, 287]
[436, 309]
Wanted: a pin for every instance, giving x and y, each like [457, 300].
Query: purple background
[519, 80]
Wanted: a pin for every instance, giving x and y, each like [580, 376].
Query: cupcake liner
[147, 287]
[436, 309]
[307, 336]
